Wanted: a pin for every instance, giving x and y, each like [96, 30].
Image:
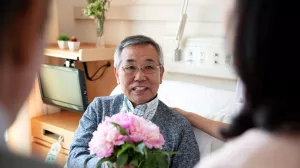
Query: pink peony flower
[146, 131]
[123, 119]
[136, 132]
[152, 136]
[107, 140]
[107, 136]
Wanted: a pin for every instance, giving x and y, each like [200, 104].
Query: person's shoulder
[221, 158]
[173, 116]
[102, 106]
[11, 160]
[235, 148]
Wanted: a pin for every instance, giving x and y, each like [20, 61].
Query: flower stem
[100, 24]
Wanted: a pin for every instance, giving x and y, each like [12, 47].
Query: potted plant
[62, 41]
[96, 10]
[73, 44]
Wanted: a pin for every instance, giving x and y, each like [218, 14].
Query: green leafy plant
[96, 9]
[63, 38]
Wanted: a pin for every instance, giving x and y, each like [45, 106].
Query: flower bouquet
[126, 139]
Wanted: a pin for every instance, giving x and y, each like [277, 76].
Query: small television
[63, 87]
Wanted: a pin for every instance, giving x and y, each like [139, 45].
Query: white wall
[52, 24]
[154, 18]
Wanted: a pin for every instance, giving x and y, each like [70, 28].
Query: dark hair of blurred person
[22, 24]
[266, 132]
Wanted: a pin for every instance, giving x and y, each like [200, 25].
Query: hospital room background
[201, 80]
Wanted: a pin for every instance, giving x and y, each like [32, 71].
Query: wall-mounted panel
[204, 56]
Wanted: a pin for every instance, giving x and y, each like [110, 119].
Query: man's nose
[140, 75]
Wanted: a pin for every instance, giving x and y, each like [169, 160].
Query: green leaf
[98, 165]
[88, 158]
[163, 162]
[146, 152]
[102, 161]
[142, 164]
[122, 159]
[151, 161]
[124, 148]
[170, 153]
[63, 38]
[135, 161]
[110, 165]
[140, 148]
[121, 129]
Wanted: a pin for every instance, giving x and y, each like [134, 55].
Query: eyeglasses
[148, 69]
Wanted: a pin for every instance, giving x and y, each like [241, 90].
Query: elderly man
[139, 71]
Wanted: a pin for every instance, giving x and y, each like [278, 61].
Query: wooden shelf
[87, 52]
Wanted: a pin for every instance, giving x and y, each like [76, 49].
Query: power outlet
[188, 55]
[216, 58]
[219, 58]
[202, 57]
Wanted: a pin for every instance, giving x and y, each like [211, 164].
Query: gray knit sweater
[177, 131]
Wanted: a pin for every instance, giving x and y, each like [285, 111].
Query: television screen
[63, 87]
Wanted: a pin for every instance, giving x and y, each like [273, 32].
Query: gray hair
[136, 40]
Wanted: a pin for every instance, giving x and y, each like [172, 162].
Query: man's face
[139, 86]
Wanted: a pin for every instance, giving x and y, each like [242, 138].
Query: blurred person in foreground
[21, 46]
[266, 132]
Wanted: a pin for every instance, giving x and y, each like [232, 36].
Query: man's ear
[116, 75]
[162, 71]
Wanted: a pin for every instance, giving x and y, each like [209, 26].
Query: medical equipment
[181, 26]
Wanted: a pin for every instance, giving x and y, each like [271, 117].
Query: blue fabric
[176, 130]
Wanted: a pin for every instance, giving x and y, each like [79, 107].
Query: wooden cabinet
[47, 129]
[41, 148]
